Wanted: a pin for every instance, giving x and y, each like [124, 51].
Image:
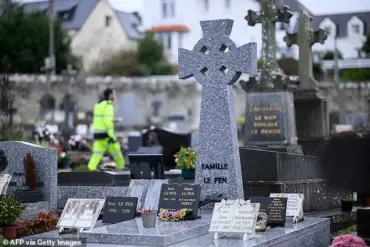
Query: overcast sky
[125, 5]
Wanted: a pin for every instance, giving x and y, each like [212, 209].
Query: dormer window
[206, 4]
[328, 30]
[355, 26]
[108, 20]
[329, 27]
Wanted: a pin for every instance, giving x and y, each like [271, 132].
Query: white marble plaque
[81, 213]
[294, 205]
[234, 216]
[139, 189]
[4, 183]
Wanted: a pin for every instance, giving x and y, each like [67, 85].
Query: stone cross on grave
[268, 16]
[305, 39]
[216, 63]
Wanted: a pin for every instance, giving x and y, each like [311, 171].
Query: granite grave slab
[216, 63]
[312, 232]
[139, 188]
[46, 165]
[153, 193]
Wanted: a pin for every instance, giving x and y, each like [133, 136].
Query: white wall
[190, 12]
[95, 39]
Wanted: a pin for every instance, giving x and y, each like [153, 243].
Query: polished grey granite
[31, 209]
[312, 232]
[153, 193]
[90, 192]
[46, 166]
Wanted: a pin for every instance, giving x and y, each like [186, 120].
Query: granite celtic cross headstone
[271, 74]
[305, 38]
[216, 63]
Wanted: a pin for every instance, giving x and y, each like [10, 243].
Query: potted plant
[29, 194]
[44, 221]
[149, 217]
[10, 210]
[186, 159]
[347, 203]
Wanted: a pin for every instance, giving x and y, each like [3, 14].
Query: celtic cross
[268, 16]
[216, 63]
[305, 39]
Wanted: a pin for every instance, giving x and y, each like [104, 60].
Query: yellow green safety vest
[104, 119]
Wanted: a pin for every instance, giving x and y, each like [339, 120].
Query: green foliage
[81, 168]
[10, 210]
[186, 158]
[24, 40]
[318, 72]
[366, 47]
[147, 60]
[1, 240]
[329, 55]
[355, 74]
[259, 63]
[349, 198]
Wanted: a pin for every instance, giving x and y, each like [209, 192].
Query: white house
[95, 27]
[176, 22]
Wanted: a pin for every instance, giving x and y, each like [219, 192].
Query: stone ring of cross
[217, 61]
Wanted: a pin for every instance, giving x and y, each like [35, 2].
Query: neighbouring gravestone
[270, 116]
[118, 209]
[275, 208]
[234, 216]
[139, 189]
[294, 205]
[46, 165]
[310, 102]
[80, 213]
[4, 183]
[153, 193]
[216, 63]
[180, 196]
[363, 224]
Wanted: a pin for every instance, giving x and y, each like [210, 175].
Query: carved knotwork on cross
[268, 16]
[305, 38]
[215, 60]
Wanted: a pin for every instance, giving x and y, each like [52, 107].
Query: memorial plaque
[275, 208]
[294, 205]
[266, 118]
[180, 196]
[139, 189]
[118, 209]
[234, 216]
[4, 183]
[80, 213]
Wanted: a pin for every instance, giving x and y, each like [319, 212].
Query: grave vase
[149, 219]
[9, 232]
[188, 173]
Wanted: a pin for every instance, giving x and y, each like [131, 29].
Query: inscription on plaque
[294, 205]
[275, 208]
[118, 209]
[236, 216]
[180, 196]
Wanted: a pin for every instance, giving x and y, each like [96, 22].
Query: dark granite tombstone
[142, 166]
[171, 143]
[363, 224]
[270, 121]
[275, 208]
[312, 117]
[118, 209]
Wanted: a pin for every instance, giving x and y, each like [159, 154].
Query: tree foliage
[366, 46]
[24, 40]
[148, 59]
[329, 55]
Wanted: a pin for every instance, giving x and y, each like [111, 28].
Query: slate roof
[130, 23]
[80, 11]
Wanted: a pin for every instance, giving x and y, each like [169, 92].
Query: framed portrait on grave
[81, 213]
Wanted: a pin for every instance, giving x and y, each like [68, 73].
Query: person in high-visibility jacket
[104, 135]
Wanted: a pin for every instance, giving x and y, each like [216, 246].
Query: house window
[168, 8]
[108, 20]
[228, 4]
[206, 4]
[165, 39]
[355, 28]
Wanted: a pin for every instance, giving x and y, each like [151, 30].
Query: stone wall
[177, 96]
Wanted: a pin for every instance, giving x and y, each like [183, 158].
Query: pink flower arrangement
[177, 215]
[348, 241]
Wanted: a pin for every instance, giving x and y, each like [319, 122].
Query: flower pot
[188, 173]
[347, 205]
[9, 232]
[149, 219]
